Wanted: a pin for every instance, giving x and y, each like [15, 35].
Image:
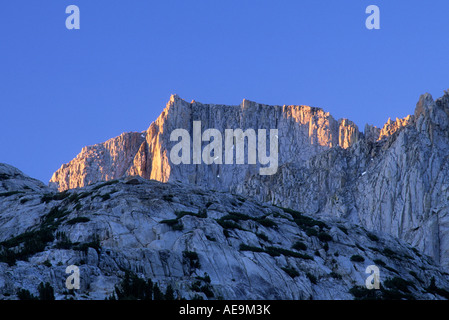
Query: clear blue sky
[63, 89]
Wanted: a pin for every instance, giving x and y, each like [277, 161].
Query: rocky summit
[175, 240]
[303, 131]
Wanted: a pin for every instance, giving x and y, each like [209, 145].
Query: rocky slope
[202, 243]
[391, 179]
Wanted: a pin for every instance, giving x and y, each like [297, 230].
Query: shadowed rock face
[391, 179]
[396, 184]
[202, 243]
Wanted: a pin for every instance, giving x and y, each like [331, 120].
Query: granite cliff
[303, 132]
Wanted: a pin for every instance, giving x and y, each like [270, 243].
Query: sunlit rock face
[303, 131]
[103, 161]
[348, 133]
[392, 126]
[391, 179]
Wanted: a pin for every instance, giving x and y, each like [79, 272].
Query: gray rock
[245, 247]
[397, 185]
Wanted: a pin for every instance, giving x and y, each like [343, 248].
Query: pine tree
[157, 293]
[24, 294]
[149, 290]
[169, 294]
[46, 291]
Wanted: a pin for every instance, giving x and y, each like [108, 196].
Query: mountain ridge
[346, 134]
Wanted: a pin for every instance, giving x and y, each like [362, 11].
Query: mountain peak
[424, 103]
[303, 132]
[174, 97]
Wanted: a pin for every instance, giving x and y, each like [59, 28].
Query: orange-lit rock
[392, 126]
[303, 132]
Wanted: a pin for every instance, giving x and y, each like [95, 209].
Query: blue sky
[63, 89]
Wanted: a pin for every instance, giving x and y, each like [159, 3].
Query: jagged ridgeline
[303, 131]
[134, 238]
[391, 179]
